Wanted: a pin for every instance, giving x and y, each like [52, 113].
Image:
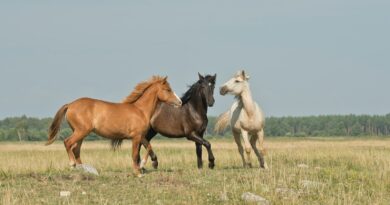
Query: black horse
[190, 120]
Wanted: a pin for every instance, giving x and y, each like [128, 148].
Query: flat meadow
[301, 171]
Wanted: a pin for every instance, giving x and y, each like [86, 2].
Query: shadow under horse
[189, 121]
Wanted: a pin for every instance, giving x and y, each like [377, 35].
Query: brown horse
[189, 121]
[127, 120]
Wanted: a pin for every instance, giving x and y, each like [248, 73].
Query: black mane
[193, 90]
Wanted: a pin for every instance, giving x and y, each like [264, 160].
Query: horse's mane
[188, 94]
[141, 88]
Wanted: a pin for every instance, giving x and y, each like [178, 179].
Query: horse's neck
[247, 102]
[199, 105]
[147, 102]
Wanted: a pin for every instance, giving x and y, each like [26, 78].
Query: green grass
[339, 172]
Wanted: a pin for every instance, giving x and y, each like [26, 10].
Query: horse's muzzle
[223, 90]
[178, 104]
[211, 103]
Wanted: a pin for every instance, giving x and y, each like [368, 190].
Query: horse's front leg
[237, 139]
[149, 151]
[248, 148]
[198, 147]
[149, 136]
[199, 140]
[135, 155]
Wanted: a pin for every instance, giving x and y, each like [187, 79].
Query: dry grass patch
[302, 171]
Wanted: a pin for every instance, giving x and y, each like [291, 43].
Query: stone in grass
[285, 191]
[307, 184]
[250, 197]
[303, 166]
[87, 168]
[64, 193]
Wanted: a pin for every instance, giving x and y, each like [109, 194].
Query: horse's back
[171, 121]
[105, 118]
[88, 107]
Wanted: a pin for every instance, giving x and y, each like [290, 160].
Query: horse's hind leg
[259, 155]
[260, 135]
[239, 145]
[77, 151]
[71, 143]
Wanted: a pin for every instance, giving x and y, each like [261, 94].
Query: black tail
[116, 144]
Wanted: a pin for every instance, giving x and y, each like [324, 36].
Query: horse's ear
[214, 77]
[165, 79]
[244, 75]
[200, 76]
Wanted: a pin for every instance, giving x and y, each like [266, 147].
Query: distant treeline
[322, 126]
[33, 129]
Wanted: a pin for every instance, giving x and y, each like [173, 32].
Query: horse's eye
[237, 81]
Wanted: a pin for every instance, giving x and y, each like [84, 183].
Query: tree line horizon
[26, 128]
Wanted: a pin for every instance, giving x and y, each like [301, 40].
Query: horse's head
[165, 94]
[207, 85]
[235, 85]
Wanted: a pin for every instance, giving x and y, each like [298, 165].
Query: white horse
[246, 118]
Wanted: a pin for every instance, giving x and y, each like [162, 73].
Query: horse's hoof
[140, 175]
[155, 164]
[211, 165]
[143, 170]
[142, 164]
[200, 165]
[72, 165]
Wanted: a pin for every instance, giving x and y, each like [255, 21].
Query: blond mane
[141, 88]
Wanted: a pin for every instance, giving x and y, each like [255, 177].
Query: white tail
[222, 122]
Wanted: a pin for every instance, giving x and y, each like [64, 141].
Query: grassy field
[302, 171]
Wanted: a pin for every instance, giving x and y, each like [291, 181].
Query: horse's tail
[222, 122]
[56, 124]
[116, 143]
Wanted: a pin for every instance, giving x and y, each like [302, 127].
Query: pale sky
[305, 57]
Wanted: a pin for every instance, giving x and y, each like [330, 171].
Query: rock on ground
[307, 184]
[64, 193]
[87, 168]
[250, 197]
[303, 166]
